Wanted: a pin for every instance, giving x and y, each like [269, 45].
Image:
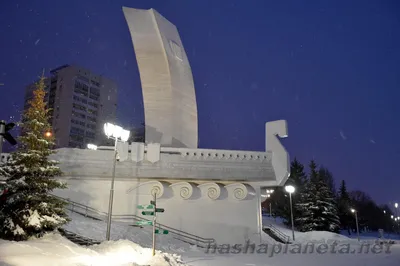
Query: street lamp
[290, 189]
[48, 134]
[92, 147]
[358, 232]
[113, 132]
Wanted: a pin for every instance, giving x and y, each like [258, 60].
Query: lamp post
[358, 232]
[114, 132]
[290, 189]
[269, 192]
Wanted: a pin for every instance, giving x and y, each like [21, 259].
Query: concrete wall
[226, 219]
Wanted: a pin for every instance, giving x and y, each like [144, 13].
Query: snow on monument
[167, 83]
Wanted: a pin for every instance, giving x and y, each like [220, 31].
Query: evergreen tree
[318, 206]
[328, 178]
[344, 205]
[28, 208]
[280, 199]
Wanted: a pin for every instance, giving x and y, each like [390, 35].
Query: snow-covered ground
[53, 249]
[133, 249]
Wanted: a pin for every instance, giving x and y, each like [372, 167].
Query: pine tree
[29, 209]
[328, 178]
[318, 207]
[344, 205]
[280, 199]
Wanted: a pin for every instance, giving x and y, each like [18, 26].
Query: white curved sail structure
[167, 83]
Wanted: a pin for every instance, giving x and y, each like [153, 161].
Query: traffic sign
[142, 207]
[147, 213]
[160, 210]
[161, 232]
[143, 222]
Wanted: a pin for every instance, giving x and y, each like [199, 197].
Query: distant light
[268, 195]
[396, 205]
[290, 189]
[48, 134]
[117, 132]
[92, 147]
[391, 216]
[384, 211]
[353, 210]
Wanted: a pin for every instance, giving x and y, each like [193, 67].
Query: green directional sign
[144, 222]
[147, 213]
[161, 232]
[160, 210]
[145, 207]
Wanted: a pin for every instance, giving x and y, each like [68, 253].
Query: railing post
[86, 212]
[72, 209]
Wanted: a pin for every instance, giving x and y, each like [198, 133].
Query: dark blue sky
[330, 68]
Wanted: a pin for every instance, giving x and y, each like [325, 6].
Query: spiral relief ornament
[184, 189]
[213, 190]
[240, 191]
[160, 188]
[156, 190]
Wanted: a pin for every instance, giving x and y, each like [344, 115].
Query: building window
[76, 114]
[91, 126]
[91, 119]
[77, 122]
[79, 99]
[91, 135]
[76, 131]
[95, 105]
[93, 112]
[79, 107]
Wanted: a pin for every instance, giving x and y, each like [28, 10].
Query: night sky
[330, 68]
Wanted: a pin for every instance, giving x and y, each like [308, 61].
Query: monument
[170, 107]
[206, 192]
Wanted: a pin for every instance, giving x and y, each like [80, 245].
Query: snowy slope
[119, 230]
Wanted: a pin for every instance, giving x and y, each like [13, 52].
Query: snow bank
[53, 249]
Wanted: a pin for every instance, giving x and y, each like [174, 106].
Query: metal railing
[102, 216]
[275, 231]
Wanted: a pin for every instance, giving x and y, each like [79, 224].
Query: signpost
[151, 210]
[144, 207]
[144, 222]
[161, 232]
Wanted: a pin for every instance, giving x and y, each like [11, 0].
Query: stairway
[92, 213]
[78, 239]
[276, 234]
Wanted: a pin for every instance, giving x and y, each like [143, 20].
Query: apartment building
[81, 102]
